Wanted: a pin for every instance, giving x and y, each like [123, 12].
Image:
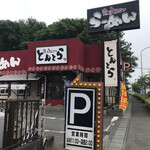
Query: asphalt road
[139, 130]
[54, 124]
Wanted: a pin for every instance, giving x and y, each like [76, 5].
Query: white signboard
[3, 86]
[51, 55]
[110, 61]
[18, 86]
[80, 118]
[13, 86]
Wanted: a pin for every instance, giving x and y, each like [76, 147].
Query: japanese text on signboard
[79, 138]
[12, 62]
[110, 63]
[51, 55]
[123, 96]
[121, 16]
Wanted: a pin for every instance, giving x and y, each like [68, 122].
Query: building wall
[13, 62]
[81, 58]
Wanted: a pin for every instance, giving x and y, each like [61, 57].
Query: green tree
[72, 28]
[68, 28]
[143, 82]
[16, 35]
[136, 87]
[28, 31]
[9, 35]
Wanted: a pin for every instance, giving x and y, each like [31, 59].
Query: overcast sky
[50, 11]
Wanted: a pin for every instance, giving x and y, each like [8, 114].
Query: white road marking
[115, 118]
[54, 118]
[54, 131]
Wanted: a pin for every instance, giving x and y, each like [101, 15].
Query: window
[4, 88]
[92, 77]
[22, 92]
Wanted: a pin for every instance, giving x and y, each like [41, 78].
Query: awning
[21, 77]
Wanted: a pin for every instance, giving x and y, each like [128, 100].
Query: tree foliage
[142, 82]
[136, 87]
[16, 35]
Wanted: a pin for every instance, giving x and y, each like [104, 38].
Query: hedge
[144, 99]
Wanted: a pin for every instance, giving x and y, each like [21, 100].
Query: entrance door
[55, 88]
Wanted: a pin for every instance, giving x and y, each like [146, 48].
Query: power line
[142, 68]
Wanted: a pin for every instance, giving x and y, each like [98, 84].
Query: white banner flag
[110, 63]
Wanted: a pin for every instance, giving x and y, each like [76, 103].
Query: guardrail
[21, 122]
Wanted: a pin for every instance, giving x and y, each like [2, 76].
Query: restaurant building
[41, 71]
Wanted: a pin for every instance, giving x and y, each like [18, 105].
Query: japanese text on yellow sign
[123, 96]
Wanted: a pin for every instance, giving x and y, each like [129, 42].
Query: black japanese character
[109, 51]
[86, 135]
[47, 58]
[77, 134]
[81, 134]
[112, 60]
[39, 55]
[60, 54]
[110, 72]
[73, 133]
[84, 142]
[107, 65]
[53, 57]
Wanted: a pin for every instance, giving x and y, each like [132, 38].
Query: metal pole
[103, 69]
[142, 65]
[141, 59]
[103, 80]
[118, 64]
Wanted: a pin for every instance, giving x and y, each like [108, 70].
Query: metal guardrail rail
[2, 105]
[21, 122]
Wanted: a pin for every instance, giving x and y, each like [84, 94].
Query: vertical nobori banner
[123, 97]
[110, 63]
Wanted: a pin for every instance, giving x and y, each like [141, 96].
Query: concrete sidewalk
[118, 140]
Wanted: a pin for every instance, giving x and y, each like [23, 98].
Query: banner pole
[118, 64]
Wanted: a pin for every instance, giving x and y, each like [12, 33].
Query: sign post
[84, 115]
[119, 17]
